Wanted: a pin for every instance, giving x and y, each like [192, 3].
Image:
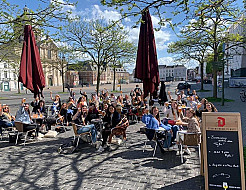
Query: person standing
[163, 94]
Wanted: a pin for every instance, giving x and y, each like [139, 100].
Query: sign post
[223, 151]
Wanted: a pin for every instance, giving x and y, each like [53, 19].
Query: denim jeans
[175, 128]
[88, 128]
[4, 124]
[167, 141]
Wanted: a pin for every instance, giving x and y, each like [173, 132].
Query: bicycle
[243, 96]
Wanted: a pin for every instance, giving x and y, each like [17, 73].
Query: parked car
[183, 85]
[207, 81]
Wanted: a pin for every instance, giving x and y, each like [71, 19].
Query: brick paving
[39, 166]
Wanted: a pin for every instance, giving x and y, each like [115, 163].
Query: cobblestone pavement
[39, 166]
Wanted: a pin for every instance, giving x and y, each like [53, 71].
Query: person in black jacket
[63, 112]
[163, 94]
[111, 119]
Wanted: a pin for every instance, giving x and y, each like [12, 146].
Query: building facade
[52, 63]
[172, 73]
[8, 77]
[88, 75]
[236, 56]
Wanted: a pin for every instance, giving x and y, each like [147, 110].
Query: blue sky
[93, 9]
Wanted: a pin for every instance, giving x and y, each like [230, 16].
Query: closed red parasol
[31, 71]
[147, 63]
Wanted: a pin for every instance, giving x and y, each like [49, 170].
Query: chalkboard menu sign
[223, 151]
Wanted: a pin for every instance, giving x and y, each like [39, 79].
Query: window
[49, 54]
[5, 74]
[5, 65]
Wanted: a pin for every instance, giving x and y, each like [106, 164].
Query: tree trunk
[215, 83]
[98, 78]
[114, 79]
[202, 65]
[215, 68]
[18, 87]
[63, 85]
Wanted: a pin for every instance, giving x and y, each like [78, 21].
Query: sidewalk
[236, 106]
[39, 166]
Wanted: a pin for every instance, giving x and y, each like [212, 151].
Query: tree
[13, 19]
[123, 52]
[190, 47]
[210, 23]
[129, 8]
[97, 39]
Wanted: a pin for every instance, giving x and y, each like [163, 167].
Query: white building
[8, 77]
[172, 73]
[236, 56]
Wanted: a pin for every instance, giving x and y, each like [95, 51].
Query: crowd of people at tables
[114, 112]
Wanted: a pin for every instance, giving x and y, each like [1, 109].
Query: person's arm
[1, 111]
[51, 96]
[169, 95]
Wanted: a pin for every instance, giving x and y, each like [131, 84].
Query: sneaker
[165, 149]
[170, 148]
[187, 151]
[97, 144]
[175, 147]
[119, 142]
[100, 149]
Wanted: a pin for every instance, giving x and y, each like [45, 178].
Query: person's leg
[175, 128]
[105, 135]
[167, 141]
[90, 128]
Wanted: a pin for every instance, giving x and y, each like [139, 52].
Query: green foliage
[129, 8]
[209, 68]
[103, 43]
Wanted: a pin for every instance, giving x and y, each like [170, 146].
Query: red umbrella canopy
[147, 64]
[31, 70]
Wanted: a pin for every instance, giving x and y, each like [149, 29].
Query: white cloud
[161, 37]
[155, 21]
[166, 61]
[106, 14]
[64, 4]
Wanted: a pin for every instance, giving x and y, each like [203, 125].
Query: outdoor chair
[3, 129]
[151, 136]
[20, 129]
[132, 117]
[190, 140]
[75, 134]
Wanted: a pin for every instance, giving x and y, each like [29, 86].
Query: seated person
[63, 113]
[5, 118]
[56, 105]
[93, 112]
[120, 129]
[111, 119]
[23, 116]
[71, 107]
[34, 104]
[152, 121]
[192, 127]
[80, 118]
[41, 109]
